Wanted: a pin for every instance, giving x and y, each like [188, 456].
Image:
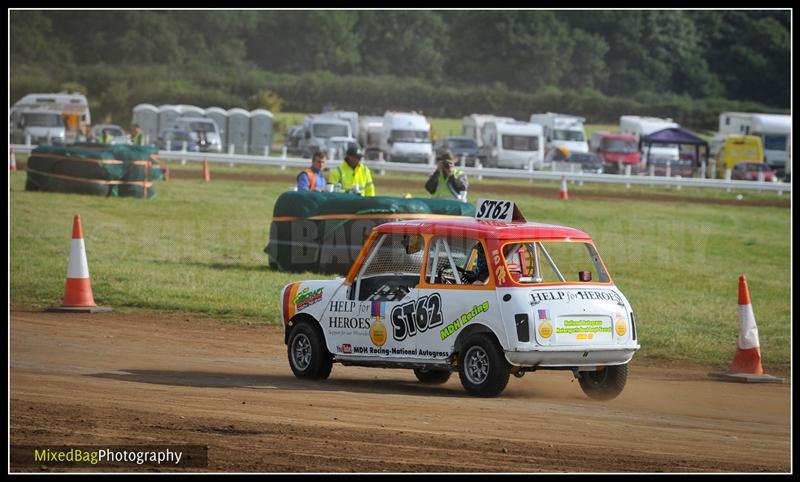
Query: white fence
[474, 172]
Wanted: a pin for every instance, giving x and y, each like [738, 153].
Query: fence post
[479, 166]
[728, 174]
[628, 174]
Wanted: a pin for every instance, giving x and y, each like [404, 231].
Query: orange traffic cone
[78, 289]
[563, 195]
[12, 160]
[746, 365]
[206, 174]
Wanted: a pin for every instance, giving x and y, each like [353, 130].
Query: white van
[36, 126]
[406, 138]
[642, 126]
[774, 130]
[326, 133]
[561, 130]
[516, 145]
[203, 130]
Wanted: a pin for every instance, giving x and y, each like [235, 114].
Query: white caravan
[642, 126]
[516, 145]
[774, 130]
[369, 135]
[561, 130]
[473, 125]
[406, 138]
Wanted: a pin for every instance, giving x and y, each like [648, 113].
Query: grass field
[198, 248]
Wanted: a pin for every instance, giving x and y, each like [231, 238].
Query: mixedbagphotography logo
[88, 456]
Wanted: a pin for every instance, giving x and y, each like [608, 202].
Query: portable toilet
[238, 130]
[146, 115]
[260, 131]
[220, 117]
[190, 110]
[167, 116]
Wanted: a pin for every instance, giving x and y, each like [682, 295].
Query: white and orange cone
[78, 288]
[563, 194]
[746, 364]
[12, 160]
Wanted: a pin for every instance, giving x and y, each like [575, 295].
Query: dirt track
[158, 379]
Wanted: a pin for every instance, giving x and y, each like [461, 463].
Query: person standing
[447, 182]
[106, 138]
[137, 137]
[312, 179]
[353, 176]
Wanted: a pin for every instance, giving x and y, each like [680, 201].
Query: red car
[749, 171]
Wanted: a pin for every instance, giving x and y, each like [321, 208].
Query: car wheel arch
[471, 330]
[301, 318]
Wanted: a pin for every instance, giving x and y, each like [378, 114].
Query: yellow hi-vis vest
[358, 180]
[443, 189]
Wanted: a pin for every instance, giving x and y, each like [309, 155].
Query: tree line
[714, 56]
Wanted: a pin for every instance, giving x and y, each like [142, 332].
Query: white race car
[488, 297]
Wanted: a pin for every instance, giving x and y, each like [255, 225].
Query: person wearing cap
[447, 181]
[353, 176]
[312, 179]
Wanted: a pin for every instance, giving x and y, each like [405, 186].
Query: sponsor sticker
[463, 319]
[307, 297]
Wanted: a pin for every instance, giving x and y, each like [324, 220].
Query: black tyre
[482, 367]
[432, 377]
[606, 383]
[308, 355]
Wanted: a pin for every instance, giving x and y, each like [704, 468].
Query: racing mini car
[487, 297]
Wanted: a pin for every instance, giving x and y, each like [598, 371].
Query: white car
[117, 133]
[486, 297]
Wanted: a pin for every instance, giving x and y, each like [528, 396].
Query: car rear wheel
[605, 383]
[308, 356]
[431, 377]
[483, 369]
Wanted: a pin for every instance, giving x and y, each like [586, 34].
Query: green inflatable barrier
[96, 169]
[324, 232]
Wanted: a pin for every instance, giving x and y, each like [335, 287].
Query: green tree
[32, 39]
[402, 43]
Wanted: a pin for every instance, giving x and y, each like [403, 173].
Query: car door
[372, 319]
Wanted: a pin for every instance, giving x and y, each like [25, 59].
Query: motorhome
[370, 130]
[774, 130]
[516, 145]
[617, 150]
[72, 107]
[561, 130]
[473, 125]
[350, 117]
[326, 133]
[406, 138]
[642, 126]
[204, 132]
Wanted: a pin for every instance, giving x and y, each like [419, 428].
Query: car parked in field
[176, 140]
[459, 146]
[117, 133]
[750, 171]
[563, 160]
[486, 297]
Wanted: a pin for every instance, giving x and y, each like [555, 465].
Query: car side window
[392, 268]
[454, 260]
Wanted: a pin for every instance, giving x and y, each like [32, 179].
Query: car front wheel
[308, 356]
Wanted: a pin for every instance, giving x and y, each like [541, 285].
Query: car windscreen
[618, 145]
[463, 143]
[565, 135]
[534, 262]
[520, 143]
[202, 127]
[43, 120]
[775, 143]
[583, 158]
[329, 130]
[399, 135]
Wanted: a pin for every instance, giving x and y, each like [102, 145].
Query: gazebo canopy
[673, 135]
